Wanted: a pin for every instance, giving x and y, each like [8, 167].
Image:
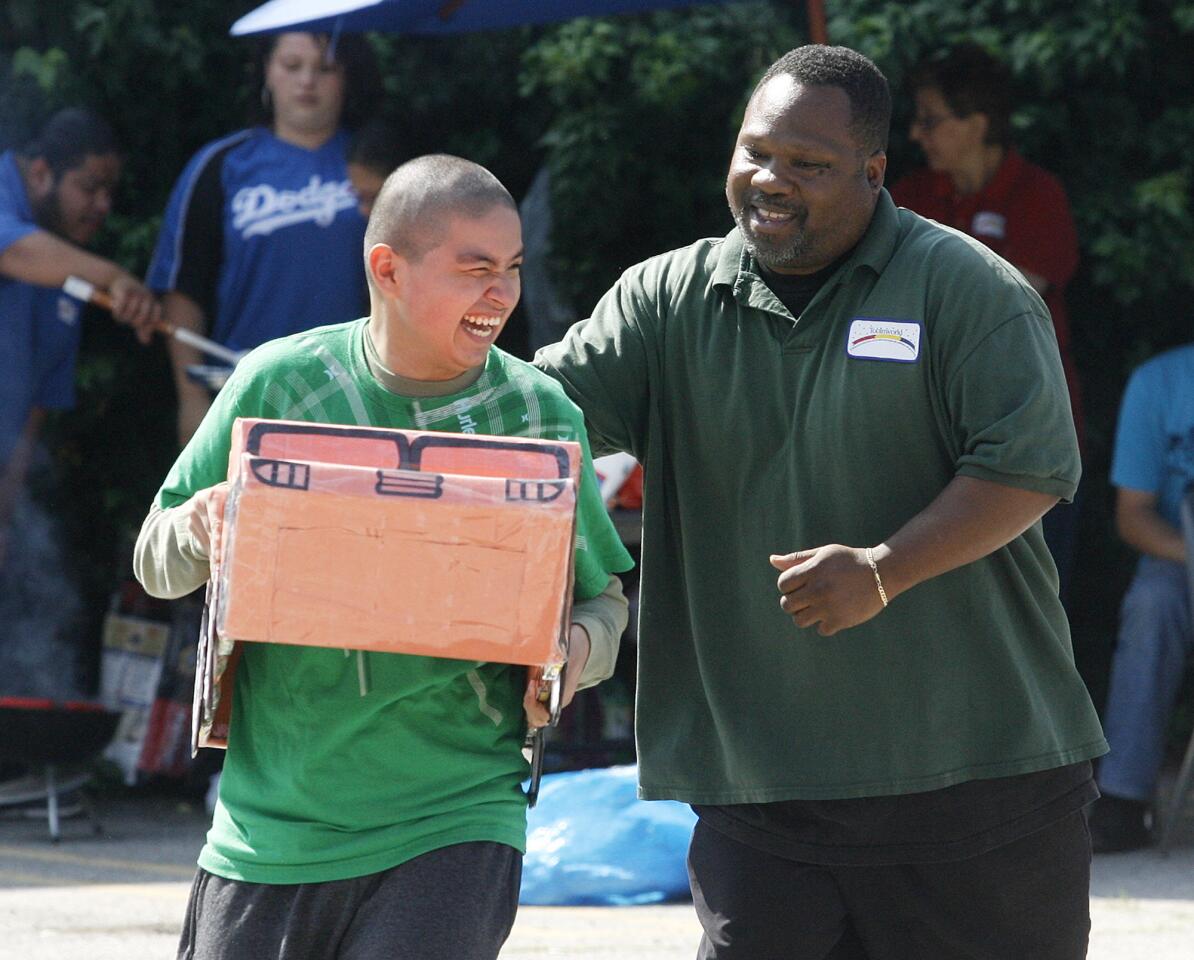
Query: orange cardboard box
[399, 561]
[445, 545]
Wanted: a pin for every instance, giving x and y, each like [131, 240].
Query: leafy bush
[644, 114]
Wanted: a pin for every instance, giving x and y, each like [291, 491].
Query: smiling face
[75, 204]
[445, 309]
[800, 186]
[307, 91]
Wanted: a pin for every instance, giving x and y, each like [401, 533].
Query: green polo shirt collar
[737, 269]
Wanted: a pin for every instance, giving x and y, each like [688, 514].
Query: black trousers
[1027, 899]
[456, 903]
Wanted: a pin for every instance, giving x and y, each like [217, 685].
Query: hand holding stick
[86, 291]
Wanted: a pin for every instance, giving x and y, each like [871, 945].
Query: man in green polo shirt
[893, 760]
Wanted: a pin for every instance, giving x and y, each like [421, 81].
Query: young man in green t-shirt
[380, 818]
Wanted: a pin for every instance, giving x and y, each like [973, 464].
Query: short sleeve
[189, 251]
[203, 462]
[604, 366]
[1138, 460]
[1010, 410]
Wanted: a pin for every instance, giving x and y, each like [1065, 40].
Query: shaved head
[418, 200]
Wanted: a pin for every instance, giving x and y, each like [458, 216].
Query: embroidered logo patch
[877, 338]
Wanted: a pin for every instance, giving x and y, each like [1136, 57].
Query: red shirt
[1023, 215]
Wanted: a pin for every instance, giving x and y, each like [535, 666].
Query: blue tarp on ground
[592, 842]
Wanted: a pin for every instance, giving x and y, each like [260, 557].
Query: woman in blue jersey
[262, 236]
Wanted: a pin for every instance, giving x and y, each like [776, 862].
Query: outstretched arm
[45, 260]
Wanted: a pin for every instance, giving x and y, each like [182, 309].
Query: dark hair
[419, 198]
[816, 65]
[378, 146]
[971, 81]
[68, 138]
[362, 78]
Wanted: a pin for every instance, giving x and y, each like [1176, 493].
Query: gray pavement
[121, 894]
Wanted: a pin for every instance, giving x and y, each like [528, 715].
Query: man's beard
[774, 254]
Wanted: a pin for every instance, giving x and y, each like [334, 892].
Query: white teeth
[773, 214]
[482, 326]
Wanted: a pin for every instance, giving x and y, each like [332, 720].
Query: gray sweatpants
[456, 903]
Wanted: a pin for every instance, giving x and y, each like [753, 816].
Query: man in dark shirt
[894, 763]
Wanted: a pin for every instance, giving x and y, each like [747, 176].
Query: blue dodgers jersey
[16, 312]
[292, 237]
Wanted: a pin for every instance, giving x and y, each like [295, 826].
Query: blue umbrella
[429, 16]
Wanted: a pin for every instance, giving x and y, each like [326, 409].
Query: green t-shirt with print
[324, 782]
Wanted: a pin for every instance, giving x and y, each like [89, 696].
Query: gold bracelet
[870, 558]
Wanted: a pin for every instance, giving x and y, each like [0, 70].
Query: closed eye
[492, 270]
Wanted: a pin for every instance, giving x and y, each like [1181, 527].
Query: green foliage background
[635, 116]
